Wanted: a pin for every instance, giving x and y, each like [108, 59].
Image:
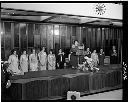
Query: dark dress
[113, 58]
[101, 58]
[74, 57]
[74, 60]
[60, 60]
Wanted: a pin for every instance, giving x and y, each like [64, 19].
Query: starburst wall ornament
[99, 8]
[124, 71]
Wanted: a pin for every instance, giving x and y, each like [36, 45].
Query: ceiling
[46, 17]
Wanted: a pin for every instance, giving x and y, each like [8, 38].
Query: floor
[111, 95]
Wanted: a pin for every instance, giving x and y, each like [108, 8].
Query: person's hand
[64, 64]
[8, 84]
[6, 62]
[8, 70]
[57, 64]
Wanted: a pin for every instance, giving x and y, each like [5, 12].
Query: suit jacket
[60, 58]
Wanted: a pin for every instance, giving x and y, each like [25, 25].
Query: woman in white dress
[33, 61]
[95, 59]
[24, 62]
[42, 59]
[51, 61]
[13, 64]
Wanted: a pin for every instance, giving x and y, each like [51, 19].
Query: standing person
[42, 59]
[13, 63]
[60, 59]
[74, 56]
[113, 56]
[101, 56]
[24, 61]
[95, 59]
[88, 52]
[33, 61]
[51, 61]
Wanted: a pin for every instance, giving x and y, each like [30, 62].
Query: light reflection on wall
[55, 32]
[2, 33]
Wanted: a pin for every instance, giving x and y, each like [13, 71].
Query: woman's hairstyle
[32, 49]
[12, 51]
[61, 49]
[94, 50]
[75, 41]
[24, 50]
[51, 50]
[41, 48]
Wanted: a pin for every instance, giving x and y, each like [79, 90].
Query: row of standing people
[36, 61]
[98, 58]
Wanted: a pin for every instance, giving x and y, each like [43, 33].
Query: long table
[47, 84]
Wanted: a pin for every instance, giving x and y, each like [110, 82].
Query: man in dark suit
[60, 59]
[101, 57]
[113, 56]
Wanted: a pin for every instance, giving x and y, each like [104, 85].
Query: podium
[80, 54]
[77, 55]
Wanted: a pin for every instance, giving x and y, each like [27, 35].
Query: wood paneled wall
[24, 35]
[96, 38]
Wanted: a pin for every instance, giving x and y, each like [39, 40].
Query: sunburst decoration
[124, 71]
[99, 8]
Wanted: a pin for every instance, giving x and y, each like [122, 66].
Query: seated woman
[60, 59]
[33, 61]
[13, 64]
[42, 59]
[51, 61]
[95, 59]
[101, 56]
[89, 65]
[24, 62]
